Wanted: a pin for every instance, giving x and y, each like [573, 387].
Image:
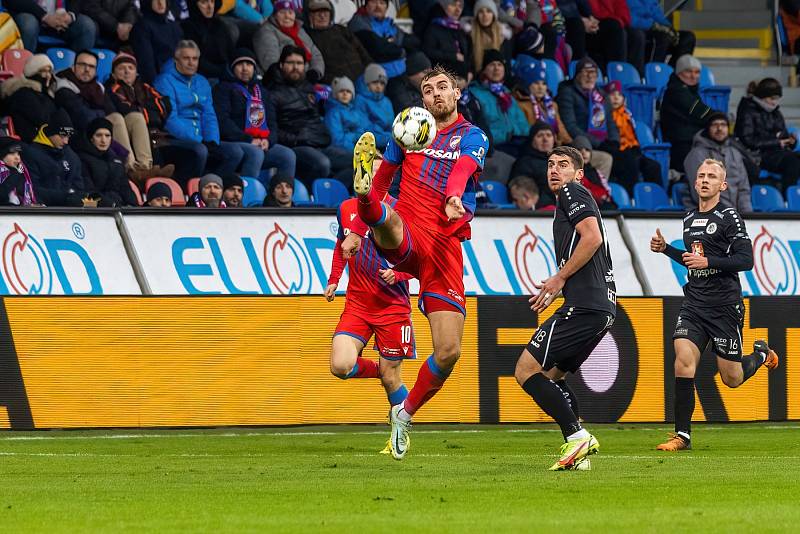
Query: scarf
[769, 108]
[545, 111]
[28, 197]
[447, 22]
[552, 14]
[294, 33]
[198, 202]
[90, 91]
[255, 116]
[598, 126]
[502, 93]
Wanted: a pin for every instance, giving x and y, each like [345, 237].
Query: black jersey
[592, 286]
[713, 234]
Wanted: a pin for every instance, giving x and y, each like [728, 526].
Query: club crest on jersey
[455, 141]
[711, 228]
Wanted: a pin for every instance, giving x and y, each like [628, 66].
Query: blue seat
[496, 192]
[46, 41]
[716, 97]
[657, 74]
[641, 102]
[329, 192]
[766, 198]
[623, 72]
[680, 190]
[793, 197]
[650, 197]
[553, 74]
[104, 60]
[620, 196]
[254, 192]
[62, 58]
[794, 130]
[707, 77]
[654, 150]
[767, 175]
[300, 194]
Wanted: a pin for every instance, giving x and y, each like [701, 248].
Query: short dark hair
[290, 50]
[572, 153]
[88, 52]
[526, 183]
[437, 70]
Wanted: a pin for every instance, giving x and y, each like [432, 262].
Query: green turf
[455, 479]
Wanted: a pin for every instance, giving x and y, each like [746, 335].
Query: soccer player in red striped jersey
[377, 302]
[422, 234]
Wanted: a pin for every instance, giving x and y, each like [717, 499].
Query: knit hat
[158, 190]
[209, 179]
[375, 73]
[59, 124]
[488, 4]
[280, 179]
[416, 63]
[123, 57]
[717, 116]
[342, 83]
[687, 62]
[582, 142]
[319, 5]
[528, 41]
[96, 124]
[36, 63]
[243, 54]
[231, 180]
[530, 70]
[768, 87]
[282, 4]
[9, 145]
[614, 86]
[490, 56]
[586, 63]
[537, 127]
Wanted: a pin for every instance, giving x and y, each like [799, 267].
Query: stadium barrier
[101, 362]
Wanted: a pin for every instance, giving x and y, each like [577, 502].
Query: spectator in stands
[373, 103]
[790, 15]
[536, 101]
[103, 171]
[209, 194]
[159, 195]
[403, 90]
[578, 22]
[630, 162]
[761, 127]
[80, 94]
[246, 116]
[470, 108]
[683, 112]
[716, 143]
[524, 193]
[652, 36]
[114, 18]
[34, 18]
[342, 53]
[16, 187]
[386, 43]
[154, 38]
[610, 41]
[212, 35]
[532, 160]
[488, 34]
[29, 99]
[55, 169]
[593, 179]
[232, 190]
[281, 189]
[445, 42]
[529, 42]
[283, 29]
[300, 125]
[554, 31]
[345, 121]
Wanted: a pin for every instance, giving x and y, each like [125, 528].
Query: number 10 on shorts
[405, 334]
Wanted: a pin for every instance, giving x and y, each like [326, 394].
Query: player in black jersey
[585, 276]
[717, 249]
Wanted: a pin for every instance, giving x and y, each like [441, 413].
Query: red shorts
[393, 341]
[437, 262]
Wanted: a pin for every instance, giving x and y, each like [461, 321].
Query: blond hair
[718, 163]
[483, 39]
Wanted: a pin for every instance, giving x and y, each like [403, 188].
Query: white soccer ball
[414, 128]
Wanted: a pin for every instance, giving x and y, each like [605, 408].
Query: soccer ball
[414, 128]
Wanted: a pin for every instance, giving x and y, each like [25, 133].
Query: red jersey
[366, 291]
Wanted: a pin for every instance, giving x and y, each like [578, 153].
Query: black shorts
[721, 325]
[568, 337]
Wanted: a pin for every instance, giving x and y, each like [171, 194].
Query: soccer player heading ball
[585, 275]
[422, 234]
[717, 249]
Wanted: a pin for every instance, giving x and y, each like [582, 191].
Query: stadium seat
[654, 150]
[62, 58]
[657, 74]
[641, 102]
[177, 193]
[651, 197]
[46, 41]
[553, 74]
[793, 198]
[620, 196]
[716, 97]
[766, 198]
[136, 193]
[794, 130]
[14, 60]
[680, 190]
[104, 60]
[623, 72]
[706, 77]
[329, 192]
[764, 174]
[192, 186]
[300, 194]
[254, 193]
[496, 192]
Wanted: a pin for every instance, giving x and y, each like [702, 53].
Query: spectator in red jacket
[610, 42]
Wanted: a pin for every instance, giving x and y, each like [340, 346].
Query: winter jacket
[442, 44]
[533, 163]
[215, 40]
[759, 129]
[403, 93]
[573, 106]
[104, 173]
[377, 109]
[142, 98]
[342, 52]
[193, 117]
[80, 110]
[645, 13]
[611, 9]
[108, 13]
[527, 107]
[346, 123]
[298, 119]
[55, 172]
[230, 105]
[269, 41]
[154, 39]
[16, 187]
[574, 8]
[503, 126]
[28, 106]
[730, 153]
[386, 43]
[243, 10]
[683, 113]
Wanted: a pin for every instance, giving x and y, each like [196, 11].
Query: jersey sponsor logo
[612, 296]
[438, 153]
[681, 332]
[711, 228]
[703, 273]
[721, 342]
[699, 222]
[453, 294]
[609, 276]
[575, 208]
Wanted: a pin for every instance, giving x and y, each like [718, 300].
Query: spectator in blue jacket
[651, 35]
[154, 38]
[345, 121]
[372, 101]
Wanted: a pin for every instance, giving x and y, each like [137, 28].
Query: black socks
[552, 400]
[684, 406]
[570, 396]
[751, 363]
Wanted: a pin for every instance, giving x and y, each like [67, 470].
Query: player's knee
[524, 370]
[730, 379]
[340, 370]
[447, 355]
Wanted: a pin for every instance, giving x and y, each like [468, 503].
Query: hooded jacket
[213, 37]
[55, 172]
[346, 123]
[758, 128]
[28, 106]
[104, 173]
[737, 195]
[342, 53]
[269, 41]
[230, 105]
[193, 117]
[377, 109]
[154, 39]
[298, 119]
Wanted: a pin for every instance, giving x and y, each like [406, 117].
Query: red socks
[370, 209]
[364, 368]
[429, 381]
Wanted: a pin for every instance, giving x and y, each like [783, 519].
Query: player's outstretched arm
[660, 245]
[456, 184]
[739, 259]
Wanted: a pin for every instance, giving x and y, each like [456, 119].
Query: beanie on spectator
[59, 124]
[687, 62]
[209, 179]
[282, 4]
[342, 83]
[232, 180]
[319, 5]
[768, 87]
[9, 145]
[36, 63]
[375, 73]
[481, 4]
[158, 190]
[123, 57]
[530, 70]
[280, 179]
[416, 63]
[528, 41]
[490, 56]
[243, 54]
[537, 127]
[586, 63]
[582, 142]
[97, 124]
[614, 86]
[718, 116]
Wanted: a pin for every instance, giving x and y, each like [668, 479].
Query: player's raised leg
[346, 361]
[734, 372]
[687, 356]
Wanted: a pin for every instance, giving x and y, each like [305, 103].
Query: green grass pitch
[456, 478]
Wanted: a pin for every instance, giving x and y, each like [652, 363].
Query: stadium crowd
[217, 94]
